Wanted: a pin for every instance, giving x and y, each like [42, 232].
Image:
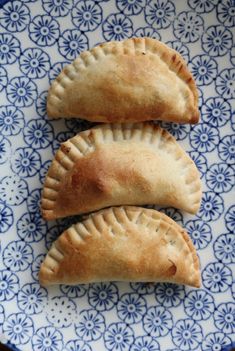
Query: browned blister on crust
[120, 164]
[133, 80]
[122, 244]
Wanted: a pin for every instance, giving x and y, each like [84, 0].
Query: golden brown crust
[122, 244]
[133, 80]
[120, 164]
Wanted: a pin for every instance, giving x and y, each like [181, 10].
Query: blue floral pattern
[188, 27]
[157, 321]
[34, 63]
[37, 40]
[14, 16]
[117, 27]
[131, 308]
[103, 296]
[87, 15]
[217, 40]
[91, 325]
[159, 13]
[199, 305]
[187, 335]
[118, 337]
[217, 277]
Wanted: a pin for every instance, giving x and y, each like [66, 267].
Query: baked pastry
[133, 80]
[122, 244]
[120, 164]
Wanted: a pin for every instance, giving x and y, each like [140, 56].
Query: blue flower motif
[52, 234]
[200, 161]
[226, 149]
[147, 32]
[73, 291]
[72, 43]
[87, 15]
[36, 266]
[225, 83]
[131, 7]
[66, 315]
[41, 104]
[215, 341]
[9, 285]
[145, 343]
[21, 91]
[157, 321]
[202, 6]
[56, 69]
[44, 30]
[34, 201]
[230, 218]
[131, 308]
[17, 256]
[5, 150]
[180, 48]
[216, 111]
[173, 213]
[47, 339]
[38, 134]
[43, 171]
[91, 325]
[77, 345]
[31, 227]
[159, 13]
[9, 49]
[217, 40]
[217, 277]
[199, 305]
[3, 78]
[212, 206]
[200, 233]
[26, 162]
[179, 131]
[117, 27]
[224, 317]
[18, 328]
[6, 217]
[103, 296]
[31, 298]
[224, 248]
[57, 8]
[187, 334]
[14, 16]
[204, 69]
[11, 120]
[34, 63]
[204, 138]
[220, 178]
[169, 295]
[13, 190]
[118, 337]
[188, 26]
[226, 13]
[143, 288]
[232, 56]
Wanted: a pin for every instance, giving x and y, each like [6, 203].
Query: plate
[37, 39]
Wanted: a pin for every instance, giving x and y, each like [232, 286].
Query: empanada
[134, 80]
[122, 244]
[120, 164]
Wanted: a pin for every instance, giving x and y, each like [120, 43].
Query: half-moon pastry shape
[122, 244]
[134, 80]
[120, 164]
